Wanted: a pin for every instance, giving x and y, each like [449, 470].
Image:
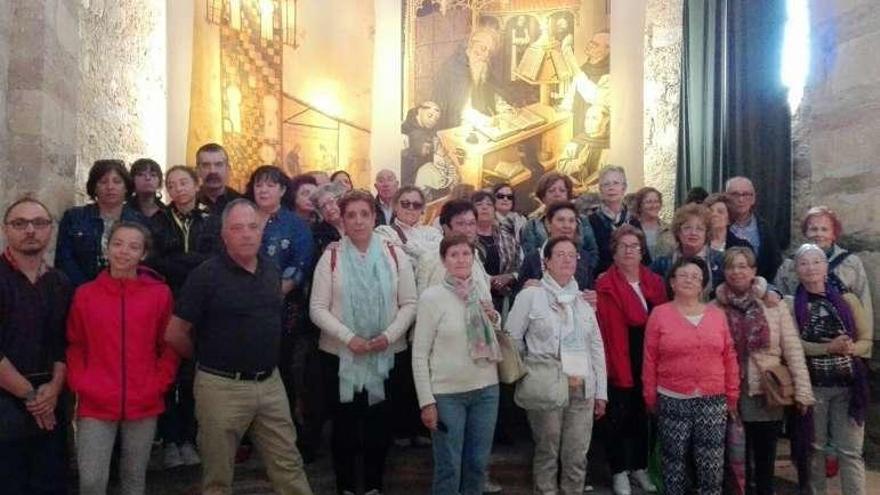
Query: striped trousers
[692, 432]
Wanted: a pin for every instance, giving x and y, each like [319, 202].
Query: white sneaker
[189, 455]
[588, 488]
[620, 484]
[172, 457]
[490, 486]
[374, 491]
[644, 481]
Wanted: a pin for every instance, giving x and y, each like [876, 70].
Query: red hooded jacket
[118, 363]
[619, 309]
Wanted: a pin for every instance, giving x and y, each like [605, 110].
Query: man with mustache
[212, 164]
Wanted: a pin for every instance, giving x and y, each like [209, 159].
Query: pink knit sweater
[689, 359]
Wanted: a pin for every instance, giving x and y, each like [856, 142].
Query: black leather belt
[250, 376]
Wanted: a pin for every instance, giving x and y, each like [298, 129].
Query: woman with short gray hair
[837, 338]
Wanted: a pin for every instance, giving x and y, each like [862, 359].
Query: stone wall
[122, 93]
[78, 81]
[663, 45]
[836, 145]
[5, 33]
[40, 100]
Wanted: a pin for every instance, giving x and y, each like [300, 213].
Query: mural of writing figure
[591, 82]
[419, 130]
[588, 151]
[465, 78]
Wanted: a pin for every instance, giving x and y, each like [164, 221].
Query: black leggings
[761, 439]
[628, 426]
[358, 428]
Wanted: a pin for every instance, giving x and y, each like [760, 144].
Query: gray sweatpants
[94, 446]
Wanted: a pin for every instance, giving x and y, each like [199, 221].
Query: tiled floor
[409, 473]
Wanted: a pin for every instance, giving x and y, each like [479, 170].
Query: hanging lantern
[288, 22]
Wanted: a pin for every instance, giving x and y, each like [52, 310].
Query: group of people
[219, 318]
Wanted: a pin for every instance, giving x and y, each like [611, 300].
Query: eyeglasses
[500, 196]
[741, 194]
[631, 247]
[411, 205]
[611, 183]
[693, 229]
[22, 223]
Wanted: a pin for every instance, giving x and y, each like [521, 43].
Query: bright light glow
[150, 81]
[235, 14]
[796, 51]
[267, 11]
[323, 94]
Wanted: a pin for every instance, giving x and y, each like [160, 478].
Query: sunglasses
[508, 197]
[411, 205]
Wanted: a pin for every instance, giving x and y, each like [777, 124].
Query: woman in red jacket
[118, 363]
[690, 377]
[626, 294]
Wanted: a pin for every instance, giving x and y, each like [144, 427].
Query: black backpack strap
[399, 232]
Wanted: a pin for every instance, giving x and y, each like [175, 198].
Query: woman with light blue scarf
[557, 332]
[363, 300]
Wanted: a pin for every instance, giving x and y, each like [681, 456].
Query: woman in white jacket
[363, 300]
[552, 321]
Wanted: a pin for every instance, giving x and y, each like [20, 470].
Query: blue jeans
[461, 453]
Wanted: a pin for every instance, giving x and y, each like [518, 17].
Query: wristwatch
[31, 395]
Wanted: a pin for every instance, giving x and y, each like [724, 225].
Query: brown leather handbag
[778, 385]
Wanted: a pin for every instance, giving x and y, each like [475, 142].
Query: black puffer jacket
[182, 242]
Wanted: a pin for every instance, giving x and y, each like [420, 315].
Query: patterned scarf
[367, 288]
[748, 324]
[804, 435]
[572, 334]
[481, 338]
[858, 404]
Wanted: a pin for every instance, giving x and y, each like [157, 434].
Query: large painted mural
[504, 91]
[492, 90]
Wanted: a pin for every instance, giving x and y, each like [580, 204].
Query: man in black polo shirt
[234, 302]
[34, 299]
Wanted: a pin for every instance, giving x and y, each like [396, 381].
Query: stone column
[663, 45]
[41, 100]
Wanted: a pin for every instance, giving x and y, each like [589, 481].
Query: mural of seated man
[419, 131]
[588, 151]
[466, 80]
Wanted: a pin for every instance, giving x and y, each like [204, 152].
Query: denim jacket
[287, 240]
[78, 252]
[534, 235]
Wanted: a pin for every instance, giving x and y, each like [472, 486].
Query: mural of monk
[591, 82]
[466, 78]
[588, 151]
[419, 130]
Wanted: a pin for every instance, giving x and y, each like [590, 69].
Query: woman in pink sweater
[691, 380]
